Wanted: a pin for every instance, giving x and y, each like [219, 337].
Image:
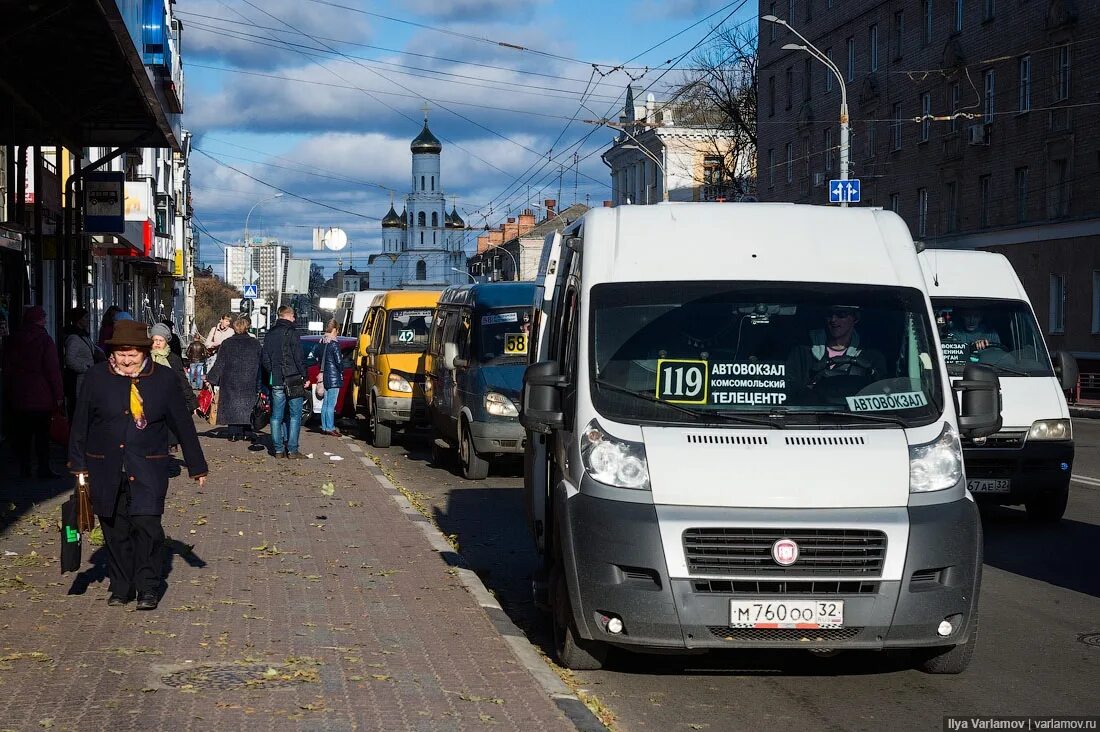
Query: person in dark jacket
[80, 354]
[196, 361]
[285, 365]
[126, 415]
[107, 326]
[327, 354]
[173, 340]
[32, 385]
[162, 354]
[236, 373]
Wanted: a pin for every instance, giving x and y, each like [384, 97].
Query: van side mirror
[451, 361]
[1065, 368]
[980, 397]
[542, 387]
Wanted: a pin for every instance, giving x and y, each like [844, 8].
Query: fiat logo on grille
[785, 552]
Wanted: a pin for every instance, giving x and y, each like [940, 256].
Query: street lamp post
[816, 53]
[472, 278]
[248, 238]
[515, 264]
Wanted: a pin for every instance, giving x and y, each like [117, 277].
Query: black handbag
[295, 383]
[70, 537]
[261, 413]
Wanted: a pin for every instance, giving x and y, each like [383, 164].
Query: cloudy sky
[320, 98]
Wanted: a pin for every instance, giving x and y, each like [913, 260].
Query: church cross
[426, 109]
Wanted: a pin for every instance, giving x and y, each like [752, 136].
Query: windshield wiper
[1007, 369]
[773, 420]
[647, 398]
[840, 417]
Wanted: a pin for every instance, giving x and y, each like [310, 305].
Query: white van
[984, 316]
[742, 435]
[351, 306]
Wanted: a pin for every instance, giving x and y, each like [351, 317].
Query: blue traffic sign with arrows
[844, 191]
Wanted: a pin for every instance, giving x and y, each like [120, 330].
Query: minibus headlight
[936, 465]
[1051, 429]
[499, 405]
[396, 382]
[613, 461]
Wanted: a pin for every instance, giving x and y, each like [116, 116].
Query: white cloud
[470, 10]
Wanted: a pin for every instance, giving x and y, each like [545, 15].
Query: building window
[714, 178]
[422, 238]
[983, 201]
[990, 88]
[790, 10]
[771, 167]
[829, 76]
[1059, 188]
[1021, 194]
[421, 270]
[790, 162]
[895, 203]
[895, 127]
[421, 219]
[989, 7]
[851, 75]
[872, 43]
[872, 137]
[771, 96]
[433, 182]
[899, 32]
[421, 182]
[828, 151]
[807, 79]
[926, 8]
[1061, 73]
[790, 86]
[1095, 301]
[435, 219]
[1024, 68]
[951, 197]
[926, 116]
[922, 211]
[1056, 315]
[958, 16]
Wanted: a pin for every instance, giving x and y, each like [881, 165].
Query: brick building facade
[1011, 163]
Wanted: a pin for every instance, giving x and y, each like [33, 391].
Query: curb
[583, 719]
[1086, 412]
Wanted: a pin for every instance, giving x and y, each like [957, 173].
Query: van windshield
[1001, 334]
[501, 334]
[407, 331]
[801, 353]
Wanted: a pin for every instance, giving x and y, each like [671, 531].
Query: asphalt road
[1040, 602]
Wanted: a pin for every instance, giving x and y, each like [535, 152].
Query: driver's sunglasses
[841, 313]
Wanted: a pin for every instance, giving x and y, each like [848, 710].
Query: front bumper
[615, 565]
[498, 437]
[1033, 469]
[406, 411]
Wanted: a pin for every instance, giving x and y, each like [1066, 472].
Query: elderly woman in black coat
[236, 373]
[126, 413]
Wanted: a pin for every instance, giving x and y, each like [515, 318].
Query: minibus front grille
[748, 551]
[1001, 441]
[786, 635]
[785, 587]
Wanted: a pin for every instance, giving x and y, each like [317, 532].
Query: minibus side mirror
[451, 361]
[980, 397]
[542, 387]
[1065, 368]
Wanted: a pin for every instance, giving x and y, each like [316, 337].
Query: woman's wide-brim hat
[130, 333]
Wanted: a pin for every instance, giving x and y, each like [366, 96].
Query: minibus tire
[949, 659]
[380, 433]
[573, 652]
[474, 467]
[1047, 508]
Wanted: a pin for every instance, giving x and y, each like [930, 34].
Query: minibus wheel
[474, 467]
[573, 652]
[380, 434]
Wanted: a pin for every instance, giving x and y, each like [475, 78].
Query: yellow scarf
[160, 355]
[137, 406]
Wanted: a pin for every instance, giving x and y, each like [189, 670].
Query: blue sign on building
[105, 202]
[844, 191]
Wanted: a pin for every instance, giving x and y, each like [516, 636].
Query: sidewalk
[287, 608]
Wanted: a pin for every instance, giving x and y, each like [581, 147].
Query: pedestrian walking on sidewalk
[173, 340]
[222, 331]
[283, 361]
[127, 413]
[196, 361]
[107, 326]
[162, 354]
[80, 355]
[332, 376]
[32, 386]
[236, 373]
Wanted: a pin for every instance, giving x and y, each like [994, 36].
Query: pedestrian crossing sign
[250, 291]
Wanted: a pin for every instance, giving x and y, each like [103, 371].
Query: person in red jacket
[32, 384]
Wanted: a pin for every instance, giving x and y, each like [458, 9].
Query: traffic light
[261, 324]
